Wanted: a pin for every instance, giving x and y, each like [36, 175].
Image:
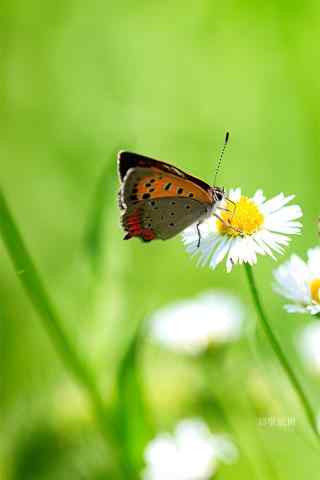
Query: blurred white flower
[191, 326]
[256, 227]
[309, 346]
[192, 452]
[299, 282]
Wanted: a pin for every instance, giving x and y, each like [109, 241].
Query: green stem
[53, 324]
[222, 372]
[279, 352]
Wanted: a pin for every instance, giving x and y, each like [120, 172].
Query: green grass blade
[134, 422]
[37, 293]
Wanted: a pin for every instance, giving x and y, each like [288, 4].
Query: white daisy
[191, 453]
[256, 227]
[309, 346]
[191, 326]
[299, 282]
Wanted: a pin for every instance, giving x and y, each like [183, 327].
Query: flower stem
[279, 352]
[53, 324]
[208, 360]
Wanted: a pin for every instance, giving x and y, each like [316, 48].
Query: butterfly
[158, 200]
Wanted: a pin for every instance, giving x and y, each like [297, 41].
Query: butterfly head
[218, 194]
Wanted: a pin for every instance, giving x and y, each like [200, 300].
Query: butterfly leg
[234, 208]
[223, 209]
[228, 224]
[199, 234]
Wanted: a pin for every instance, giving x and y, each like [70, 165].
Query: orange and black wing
[128, 160]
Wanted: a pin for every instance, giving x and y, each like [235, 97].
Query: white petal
[274, 240]
[314, 262]
[313, 309]
[192, 452]
[282, 221]
[220, 252]
[292, 280]
[235, 194]
[264, 247]
[275, 203]
[295, 309]
[309, 346]
[189, 326]
[207, 247]
[292, 228]
[234, 252]
[258, 197]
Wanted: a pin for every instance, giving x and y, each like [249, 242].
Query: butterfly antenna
[220, 158]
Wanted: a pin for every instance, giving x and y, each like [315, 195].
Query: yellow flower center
[243, 219]
[315, 290]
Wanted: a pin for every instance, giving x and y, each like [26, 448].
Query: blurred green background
[79, 81]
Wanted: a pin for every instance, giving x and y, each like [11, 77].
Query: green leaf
[133, 417]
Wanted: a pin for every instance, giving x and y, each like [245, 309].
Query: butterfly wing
[162, 218]
[159, 200]
[129, 160]
[149, 183]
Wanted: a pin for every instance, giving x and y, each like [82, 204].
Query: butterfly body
[158, 200]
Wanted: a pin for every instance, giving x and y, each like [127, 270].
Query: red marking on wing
[132, 224]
